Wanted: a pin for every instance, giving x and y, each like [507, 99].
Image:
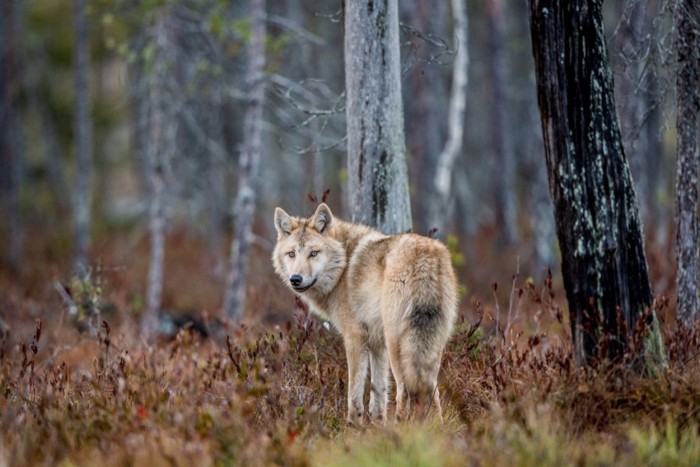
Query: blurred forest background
[118, 114]
[141, 140]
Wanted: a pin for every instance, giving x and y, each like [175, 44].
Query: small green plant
[83, 297]
[457, 261]
[87, 292]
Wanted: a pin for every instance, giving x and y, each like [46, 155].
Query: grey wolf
[393, 298]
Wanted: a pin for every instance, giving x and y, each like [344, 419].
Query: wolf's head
[308, 257]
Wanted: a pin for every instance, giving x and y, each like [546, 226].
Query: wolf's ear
[323, 218]
[283, 222]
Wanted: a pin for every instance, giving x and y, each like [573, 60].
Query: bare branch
[297, 29]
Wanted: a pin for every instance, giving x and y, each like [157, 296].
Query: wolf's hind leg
[436, 403]
[392, 345]
[428, 403]
[379, 367]
[431, 393]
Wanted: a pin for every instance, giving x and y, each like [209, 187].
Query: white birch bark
[458, 102]
[244, 205]
[156, 147]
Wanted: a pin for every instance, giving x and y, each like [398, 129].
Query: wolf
[393, 298]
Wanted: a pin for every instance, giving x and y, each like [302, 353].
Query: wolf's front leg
[356, 353]
[379, 367]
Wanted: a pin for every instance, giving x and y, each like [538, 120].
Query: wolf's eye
[291, 254]
[313, 253]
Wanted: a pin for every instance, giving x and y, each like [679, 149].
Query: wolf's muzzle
[296, 280]
[299, 288]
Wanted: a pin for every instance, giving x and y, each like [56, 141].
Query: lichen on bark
[598, 227]
[378, 176]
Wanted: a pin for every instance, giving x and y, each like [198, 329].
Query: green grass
[395, 445]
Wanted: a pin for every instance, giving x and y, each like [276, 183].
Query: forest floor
[272, 390]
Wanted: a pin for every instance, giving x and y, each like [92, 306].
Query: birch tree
[688, 108]
[82, 196]
[455, 122]
[244, 205]
[158, 148]
[595, 207]
[377, 172]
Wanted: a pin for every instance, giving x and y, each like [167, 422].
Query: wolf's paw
[379, 422]
[378, 417]
[355, 419]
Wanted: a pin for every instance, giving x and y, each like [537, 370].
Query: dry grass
[275, 394]
[266, 398]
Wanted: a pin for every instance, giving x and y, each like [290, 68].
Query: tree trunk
[9, 134]
[157, 147]
[378, 177]
[244, 206]
[425, 98]
[501, 129]
[82, 197]
[595, 208]
[455, 121]
[688, 107]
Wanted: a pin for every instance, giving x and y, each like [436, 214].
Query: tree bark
[455, 120]
[244, 205]
[378, 176]
[157, 147]
[82, 196]
[597, 219]
[688, 108]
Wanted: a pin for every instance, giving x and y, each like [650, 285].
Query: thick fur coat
[393, 298]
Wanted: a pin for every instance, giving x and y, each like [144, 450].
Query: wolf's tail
[428, 332]
[428, 322]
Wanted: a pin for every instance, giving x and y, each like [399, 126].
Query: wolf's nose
[296, 280]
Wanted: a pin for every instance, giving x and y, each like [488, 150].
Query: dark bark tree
[82, 196]
[597, 219]
[688, 108]
[9, 134]
[244, 205]
[378, 176]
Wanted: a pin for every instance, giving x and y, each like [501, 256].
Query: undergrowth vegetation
[276, 395]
